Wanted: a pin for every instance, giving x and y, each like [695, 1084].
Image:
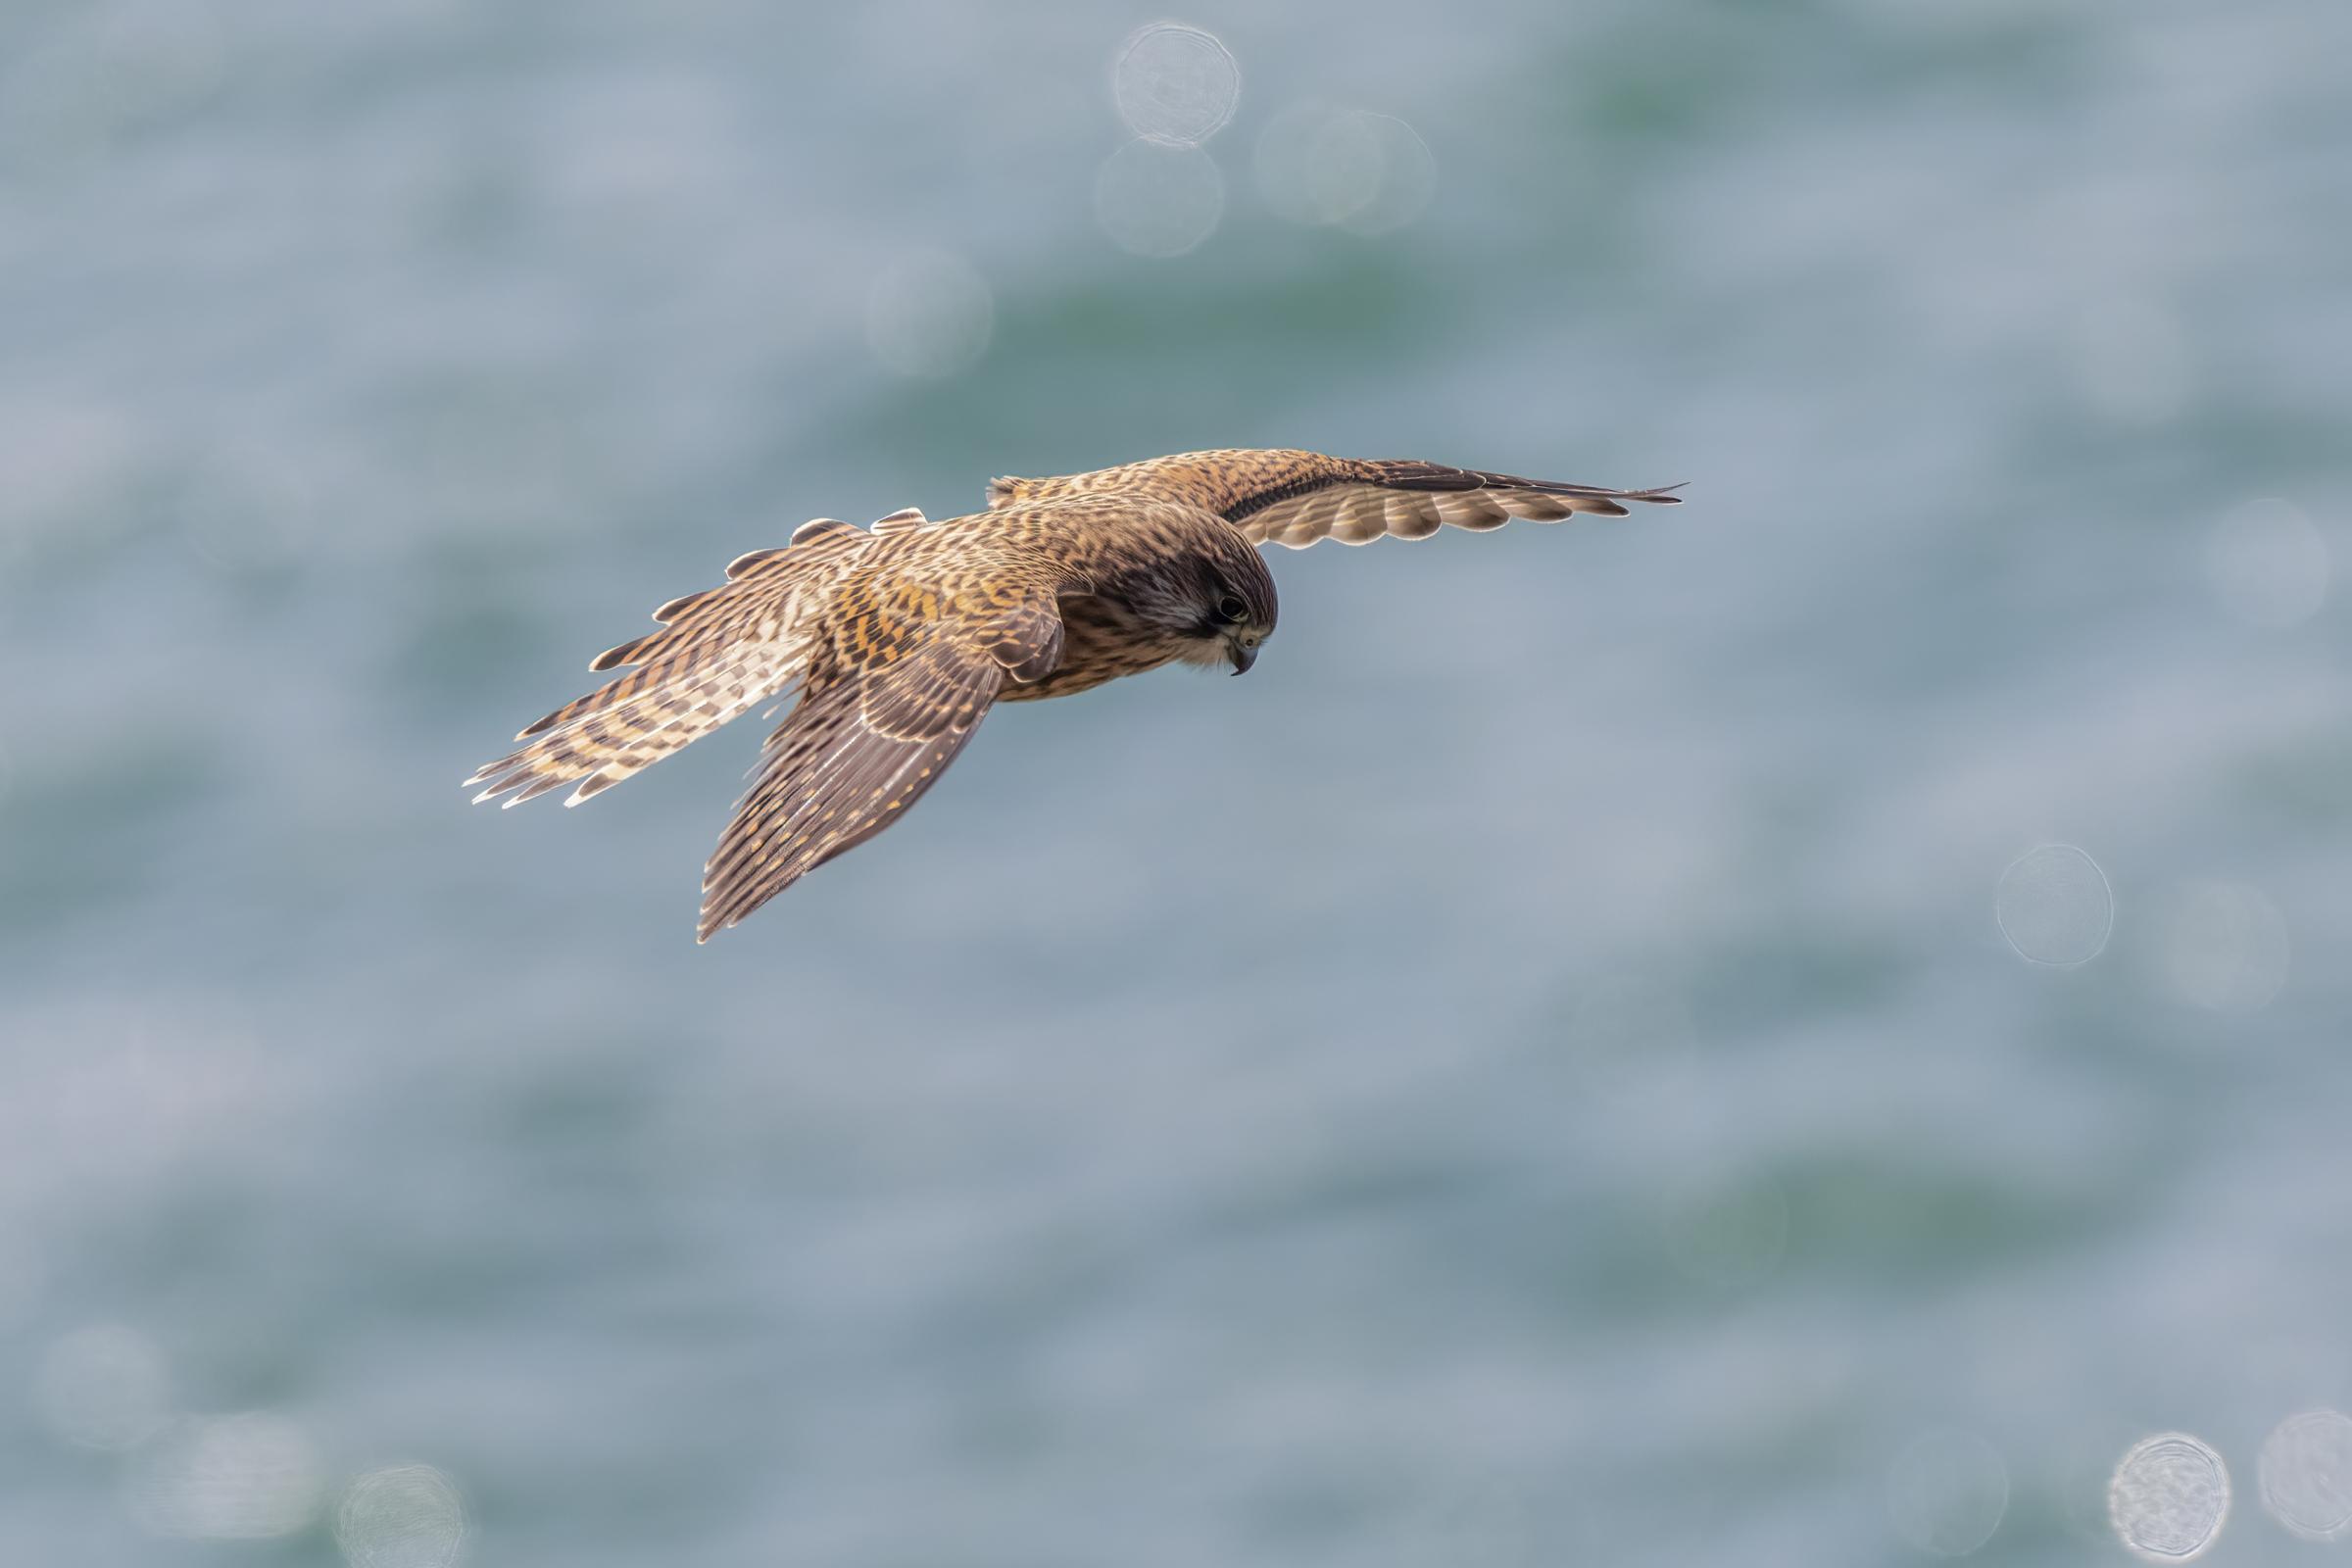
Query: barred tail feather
[719, 653]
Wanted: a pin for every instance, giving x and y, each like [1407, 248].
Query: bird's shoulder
[1058, 534]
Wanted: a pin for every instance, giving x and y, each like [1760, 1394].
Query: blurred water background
[1796, 1030]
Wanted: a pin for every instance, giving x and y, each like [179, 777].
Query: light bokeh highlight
[2305, 1474]
[401, 1517]
[2169, 1498]
[1175, 85]
[1158, 200]
[929, 315]
[1947, 1490]
[2055, 905]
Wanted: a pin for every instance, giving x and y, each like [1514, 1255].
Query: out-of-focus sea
[1794, 1030]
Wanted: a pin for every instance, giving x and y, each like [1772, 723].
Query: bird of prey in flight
[898, 638]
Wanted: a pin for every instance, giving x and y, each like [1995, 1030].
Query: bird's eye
[1232, 610]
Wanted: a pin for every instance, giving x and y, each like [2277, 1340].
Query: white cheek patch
[1206, 653]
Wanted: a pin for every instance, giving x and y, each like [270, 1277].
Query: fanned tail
[719, 653]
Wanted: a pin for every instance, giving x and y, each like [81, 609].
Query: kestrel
[898, 638]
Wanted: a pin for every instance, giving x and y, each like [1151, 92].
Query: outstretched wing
[1365, 500]
[1284, 497]
[875, 726]
[718, 653]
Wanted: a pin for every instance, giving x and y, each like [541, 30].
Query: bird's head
[1219, 608]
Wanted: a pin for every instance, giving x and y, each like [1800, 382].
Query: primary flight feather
[899, 638]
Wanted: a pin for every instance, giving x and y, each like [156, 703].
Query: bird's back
[1221, 480]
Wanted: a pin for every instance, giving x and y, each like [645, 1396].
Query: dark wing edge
[1413, 500]
[860, 747]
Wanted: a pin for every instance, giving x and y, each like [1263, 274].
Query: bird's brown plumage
[898, 639]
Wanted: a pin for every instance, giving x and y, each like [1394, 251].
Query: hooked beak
[1241, 658]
